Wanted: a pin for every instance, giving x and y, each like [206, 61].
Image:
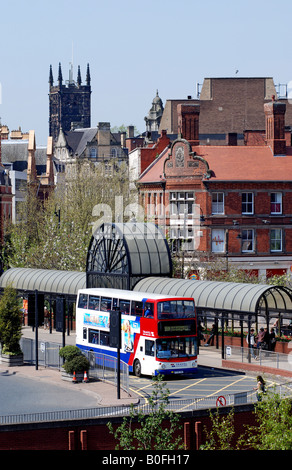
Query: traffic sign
[221, 401]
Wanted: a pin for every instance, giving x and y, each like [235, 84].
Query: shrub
[77, 364]
[75, 361]
[69, 352]
[10, 322]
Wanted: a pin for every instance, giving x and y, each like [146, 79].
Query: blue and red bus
[158, 332]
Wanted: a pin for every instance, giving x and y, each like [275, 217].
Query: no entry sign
[221, 401]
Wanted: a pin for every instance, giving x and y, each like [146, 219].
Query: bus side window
[115, 305]
[93, 337]
[82, 302]
[137, 308]
[104, 338]
[93, 302]
[105, 304]
[84, 333]
[125, 306]
[149, 310]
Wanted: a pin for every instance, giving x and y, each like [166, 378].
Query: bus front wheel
[137, 368]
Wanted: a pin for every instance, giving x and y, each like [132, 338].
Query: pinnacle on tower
[60, 77]
[88, 76]
[51, 79]
[79, 76]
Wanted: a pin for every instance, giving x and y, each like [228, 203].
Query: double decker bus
[158, 332]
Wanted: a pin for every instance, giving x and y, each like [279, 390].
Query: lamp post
[36, 331]
[226, 248]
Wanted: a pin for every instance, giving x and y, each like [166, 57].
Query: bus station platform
[104, 392]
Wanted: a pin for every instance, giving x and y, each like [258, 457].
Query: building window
[114, 152]
[276, 203]
[276, 239]
[92, 152]
[217, 203]
[181, 203]
[247, 241]
[181, 239]
[247, 203]
[218, 242]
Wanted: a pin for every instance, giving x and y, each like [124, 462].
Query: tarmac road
[21, 395]
[27, 390]
[206, 383]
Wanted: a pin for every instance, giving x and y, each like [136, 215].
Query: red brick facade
[232, 201]
[93, 434]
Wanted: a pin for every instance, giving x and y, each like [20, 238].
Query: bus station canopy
[211, 296]
[45, 281]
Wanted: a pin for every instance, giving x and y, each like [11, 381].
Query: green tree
[55, 234]
[152, 431]
[221, 434]
[271, 431]
[273, 428]
[10, 322]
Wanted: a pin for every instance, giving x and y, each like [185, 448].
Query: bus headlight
[163, 366]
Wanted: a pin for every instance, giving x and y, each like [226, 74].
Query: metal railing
[179, 406]
[260, 357]
[102, 366]
[48, 353]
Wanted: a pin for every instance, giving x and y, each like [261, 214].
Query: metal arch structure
[121, 254]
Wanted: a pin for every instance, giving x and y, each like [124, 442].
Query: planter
[69, 377]
[284, 347]
[11, 360]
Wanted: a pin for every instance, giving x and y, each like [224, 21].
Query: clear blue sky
[134, 47]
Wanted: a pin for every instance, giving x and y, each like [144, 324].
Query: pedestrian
[266, 339]
[260, 388]
[250, 339]
[276, 325]
[272, 340]
[260, 338]
[210, 341]
[200, 333]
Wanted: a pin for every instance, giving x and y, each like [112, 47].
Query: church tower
[69, 102]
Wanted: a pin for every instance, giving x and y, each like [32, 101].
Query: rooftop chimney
[188, 122]
[275, 126]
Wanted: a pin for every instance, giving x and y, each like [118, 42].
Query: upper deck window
[93, 302]
[83, 301]
[175, 309]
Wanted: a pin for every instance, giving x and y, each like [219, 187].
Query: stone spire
[51, 78]
[79, 81]
[60, 77]
[88, 76]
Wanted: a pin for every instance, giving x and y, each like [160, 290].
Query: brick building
[229, 105]
[232, 200]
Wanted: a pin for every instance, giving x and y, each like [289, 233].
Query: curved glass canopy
[256, 299]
